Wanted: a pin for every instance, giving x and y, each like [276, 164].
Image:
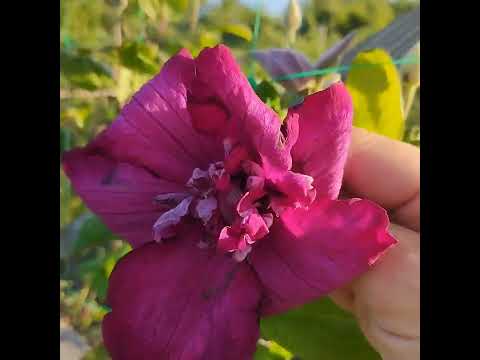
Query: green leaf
[139, 56]
[209, 39]
[275, 104]
[150, 7]
[318, 330]
[294, 98]
[263, 353]
[96, 271]
[270, 350]
[112, 259]
[265, 90]
[83, 71]
[99, 352]
[178, 5]
[91, 233]
[279, 350]
[270, 96]
[65, 139]
[109, 264]
[238, 30]
[71, 63]
[252, 82]
[375, 87]
[128, 82]
[100, 284]
[413, 136]
[77, 114]
[68, 43]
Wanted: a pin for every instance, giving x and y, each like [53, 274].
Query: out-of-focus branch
[195, 12]
[117, 29]
[293, 21]
[119, 7]
[86, 95]
[410, 92]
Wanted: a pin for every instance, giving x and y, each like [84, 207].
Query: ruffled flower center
[234, 201]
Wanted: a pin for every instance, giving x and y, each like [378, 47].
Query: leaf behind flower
[318, 330]
[375, 87]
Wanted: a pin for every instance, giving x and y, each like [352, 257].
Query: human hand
[386, 299]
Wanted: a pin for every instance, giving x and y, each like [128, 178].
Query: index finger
[385, 171]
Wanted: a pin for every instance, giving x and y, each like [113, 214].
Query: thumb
[386, 299]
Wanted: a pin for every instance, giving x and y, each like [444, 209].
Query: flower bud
[293, 20]
[194, 14]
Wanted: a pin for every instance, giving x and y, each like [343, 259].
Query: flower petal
[229, 239]
[325, 122]
[164, 227]
[173, 85]
[208, 118]
[254, 225]
[311, 252]
[154, 129]
[176, 301]
[122, 195]
[252, 123]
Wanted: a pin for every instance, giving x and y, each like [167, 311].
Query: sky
[273, 7]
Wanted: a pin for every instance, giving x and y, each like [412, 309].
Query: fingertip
[381, 169]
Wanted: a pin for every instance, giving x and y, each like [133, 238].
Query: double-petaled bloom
[232, 214]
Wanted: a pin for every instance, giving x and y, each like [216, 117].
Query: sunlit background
[110, 48]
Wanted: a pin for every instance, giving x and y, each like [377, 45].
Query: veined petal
[173, 85]
[122, 195]
[325, 125]
[251, 122]
[154, 129]
[311, 252]
[176, 301]
[297, 189]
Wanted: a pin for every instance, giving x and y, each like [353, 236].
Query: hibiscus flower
[232, 214]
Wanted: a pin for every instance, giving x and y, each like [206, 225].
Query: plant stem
[194, 15]
[410, 90]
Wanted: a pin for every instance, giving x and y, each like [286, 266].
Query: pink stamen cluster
[232, 199]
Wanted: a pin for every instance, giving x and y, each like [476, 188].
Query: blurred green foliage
[108, 49]
[319, 330]
[376, 90]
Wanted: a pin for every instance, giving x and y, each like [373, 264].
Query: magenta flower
[232, 215]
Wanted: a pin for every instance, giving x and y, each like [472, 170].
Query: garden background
[109, 48]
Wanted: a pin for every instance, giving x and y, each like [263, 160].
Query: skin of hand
[386, 299]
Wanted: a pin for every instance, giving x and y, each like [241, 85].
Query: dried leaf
[280, 62]
[333, 54]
